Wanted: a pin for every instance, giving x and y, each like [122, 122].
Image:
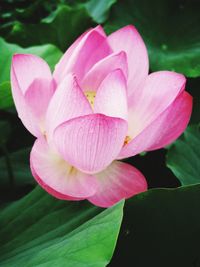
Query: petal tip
[119, 181]
[100, 30]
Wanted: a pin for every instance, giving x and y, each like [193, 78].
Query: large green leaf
[170, 29]
[161, 228]
[40, 230]
[60, 28]
[183, 157]
[49, 52]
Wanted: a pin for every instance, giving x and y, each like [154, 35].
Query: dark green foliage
[170, 30]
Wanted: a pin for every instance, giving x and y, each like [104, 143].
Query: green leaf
[183, 157]
[6, 100]
[60, 28]
[170, 30]
[161, 229]
[48, 52]
[99, 10]
[40, 230]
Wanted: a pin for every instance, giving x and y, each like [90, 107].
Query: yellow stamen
[90, 97]
[127, 140]
[72, 170]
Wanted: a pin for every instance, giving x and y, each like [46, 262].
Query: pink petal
[102, 68]
[29, 67]
[163, 130]
[129, 40]
[24, 70]
[158, 93]
[111, 97]
[92, 142]
[56, 175]
[24, 111]
[100, 30]
[50, 190]
[120, 180]
[83, 54]
[67, 102]
[60, 71]
[38, 96]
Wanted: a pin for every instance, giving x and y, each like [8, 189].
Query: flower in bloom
[100, 105]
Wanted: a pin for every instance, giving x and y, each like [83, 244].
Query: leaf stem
[8, 164]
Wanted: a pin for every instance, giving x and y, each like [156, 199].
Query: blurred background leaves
[184, 155]
[170, 30]
[52, 28]
[161, 226]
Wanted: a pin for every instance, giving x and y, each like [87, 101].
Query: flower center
[127, 140]
[90, 97]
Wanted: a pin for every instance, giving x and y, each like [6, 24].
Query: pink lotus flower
[99, 106]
